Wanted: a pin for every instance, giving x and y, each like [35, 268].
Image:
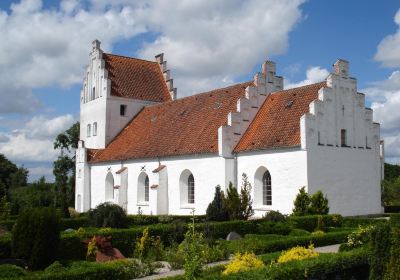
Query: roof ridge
[304, 86]
[128, 57]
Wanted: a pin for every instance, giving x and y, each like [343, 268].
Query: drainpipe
[235, 170]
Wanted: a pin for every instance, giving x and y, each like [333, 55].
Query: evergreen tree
[301, 203]
[319, 204]
[232, 202]
[246, 209]
[216, 210]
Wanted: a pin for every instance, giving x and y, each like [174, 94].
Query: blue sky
[208, 44]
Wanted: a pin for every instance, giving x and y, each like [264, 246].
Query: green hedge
[355, 222]
[395, 219]
[310, 223]
[262, 245]
[5, 247]
[347, 265]
[7, 224]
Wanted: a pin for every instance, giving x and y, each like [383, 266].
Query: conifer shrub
[243, 262]
[36, 237]
[108, 215]
[301, 203]
[239, 205]
[318, 204]
[232, 202]
[380, 251]
[216, 210]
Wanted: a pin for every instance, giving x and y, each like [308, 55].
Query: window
[267, 190]
[94, 128]
[122, 110]
[146, 189]
[93, 93]
[343, 138]
[190, 189]
[88, 130]
[109, 187]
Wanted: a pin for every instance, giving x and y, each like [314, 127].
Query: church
[150, 152]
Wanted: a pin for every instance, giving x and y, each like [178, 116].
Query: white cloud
[388, 52]
[314, 74]
[34, 141]
[385, 97]
[39, 171]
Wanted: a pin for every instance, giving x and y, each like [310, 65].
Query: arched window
[143, 189]
[146, 189]
[94, 128]
[190, 185]
[93, 93]
[267, 190]
[88, 130]
[109, 188]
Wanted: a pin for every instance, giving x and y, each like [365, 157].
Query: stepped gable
[181, 127]
[135, 78]
[277, 123]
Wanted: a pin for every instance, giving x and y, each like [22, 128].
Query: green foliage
[312, 222]
[11, 271]
[5, 209]
[274, 216]
[393, 266]
[319, 204]
[360, 236]
[55, 267]
[216, 210]
[19, 178]
[108, 215]
[391, 192]
[38, 194]
[192, 248]
[36, 236]
[232, 202]
[6, 169]
[395, 219]
[64, 166]
[5, 247]
[380, 249]
[299, 232]
[148, 248]
[301, 203]
[392, 171]
[246, 209]
[274, 228]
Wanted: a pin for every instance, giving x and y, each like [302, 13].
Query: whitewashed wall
[288, 169]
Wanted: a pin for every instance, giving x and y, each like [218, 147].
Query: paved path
[324, 249]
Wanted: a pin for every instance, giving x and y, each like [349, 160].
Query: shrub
[395, 219]
[380, 250]
[36, 236]
[360, 236]
[232, 202]
[301, 203]
[274, 216]
[299, 232]
[242, 262]
[216, 210]
[108, 215]
[312, 222]
[318, 204]
[11, 271]
[148, 247]
[393, 266]
[5, 208]
[317, 233]
[246, 208]
[55, 267]
[193, 252]
[298, 253]
[274, 228]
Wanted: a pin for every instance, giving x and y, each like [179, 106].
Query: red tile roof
[277, 123]
[184, 126]
[136, 78]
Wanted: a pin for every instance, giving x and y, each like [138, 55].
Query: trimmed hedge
[5, 247]
[263, 245]
[392, 209]
[395, 219]
[310, 223]
[355, 222]
[347, 265]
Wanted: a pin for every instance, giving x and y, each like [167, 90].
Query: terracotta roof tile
[277, 123]
[184, 126]
[136, 78]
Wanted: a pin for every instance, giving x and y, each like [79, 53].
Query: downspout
[235, 170]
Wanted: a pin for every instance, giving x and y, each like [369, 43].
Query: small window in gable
[94, 128]
[343, 138]
[122, 110]
[88, 130]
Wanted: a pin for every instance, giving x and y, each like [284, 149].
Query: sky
[45, 45]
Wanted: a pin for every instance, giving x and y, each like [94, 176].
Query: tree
[319, 204]
[246, 209]
[7, 168]
[64, 166]
[216, 210]
[301, 203]
[391, 191]
[392, 171]
[232, 202]
[19, 178]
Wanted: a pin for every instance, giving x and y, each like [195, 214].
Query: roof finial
[96, 44]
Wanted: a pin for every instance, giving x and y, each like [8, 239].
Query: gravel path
[324, 249]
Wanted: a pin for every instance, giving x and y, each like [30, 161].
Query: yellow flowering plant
[298, 253]
[242, 262]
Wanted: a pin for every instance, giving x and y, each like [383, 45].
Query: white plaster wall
[208, 172]
[350, 177]
[288, 169]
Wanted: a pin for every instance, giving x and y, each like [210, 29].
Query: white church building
[148, 151]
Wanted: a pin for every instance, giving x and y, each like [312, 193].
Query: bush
[5, 247]
[360, 236]
[298, 253]
[319, 204]
[55, 267]
[393, 266]
[216, 210]
[274, 228]
[36, 236]
[192, 249]
[242, 262]
[301, 203]
[352, 222]
[108, 215]
[380, 249]
[392, 209]
[311, 222]
[148, 247]
[395, 219]
[299, 232]
[11, 271]
[274, 216]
